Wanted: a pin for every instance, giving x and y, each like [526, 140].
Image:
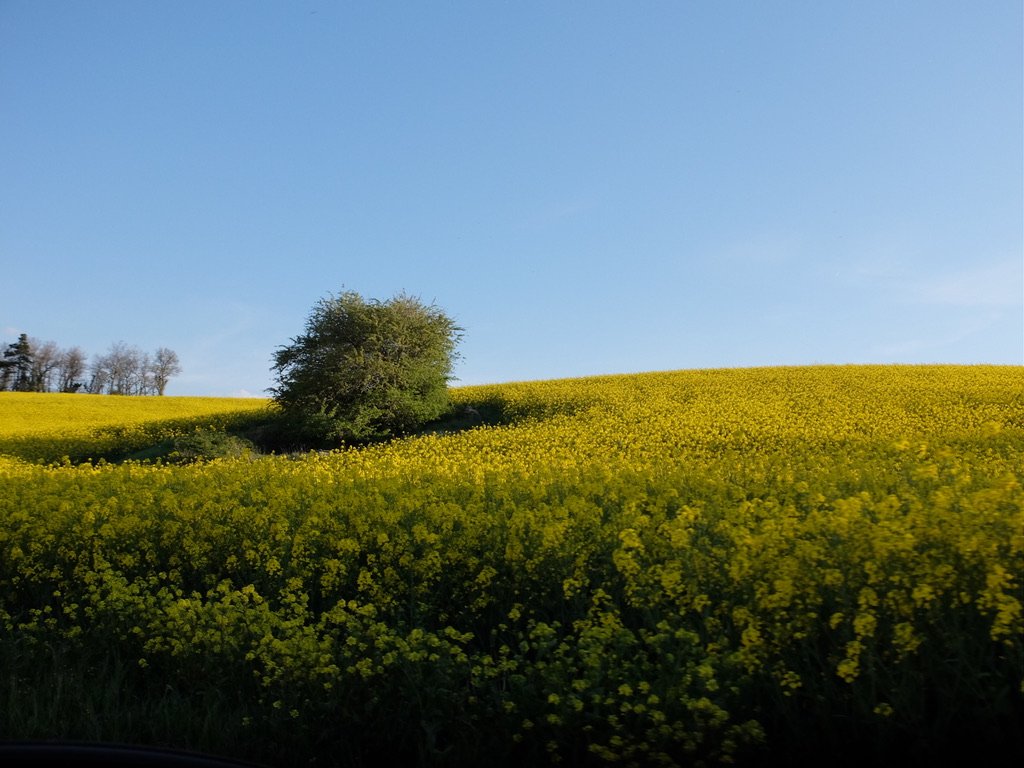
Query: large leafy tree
[366, 369]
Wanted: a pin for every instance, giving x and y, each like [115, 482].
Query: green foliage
[366, 370]
[206, 444]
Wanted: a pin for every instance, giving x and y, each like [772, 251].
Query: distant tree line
[29, 365]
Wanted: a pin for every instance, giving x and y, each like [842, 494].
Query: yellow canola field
[51, 425]
[654, 569]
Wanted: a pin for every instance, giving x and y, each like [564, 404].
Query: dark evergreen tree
[16, 366]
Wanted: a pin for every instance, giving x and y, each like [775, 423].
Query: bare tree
[99, 376]
[142, 381]
[115, 372]
[70, 370]
[123, 365]
[45, 361]
[162, 367]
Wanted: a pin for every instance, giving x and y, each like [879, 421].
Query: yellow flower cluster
[654, 569]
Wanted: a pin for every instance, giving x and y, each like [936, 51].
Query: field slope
[49, 426]
[754, 566]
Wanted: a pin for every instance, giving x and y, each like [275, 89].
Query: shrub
[366, 370]
[204, 444]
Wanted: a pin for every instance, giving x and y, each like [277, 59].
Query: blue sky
[586, 187]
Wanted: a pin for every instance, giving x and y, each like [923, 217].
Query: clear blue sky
[586, 187]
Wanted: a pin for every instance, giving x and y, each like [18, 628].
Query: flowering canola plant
[692, 567]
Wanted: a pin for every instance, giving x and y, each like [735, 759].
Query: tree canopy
[367, 369]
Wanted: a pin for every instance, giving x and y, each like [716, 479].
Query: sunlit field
[49, 425]
[817, 565]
